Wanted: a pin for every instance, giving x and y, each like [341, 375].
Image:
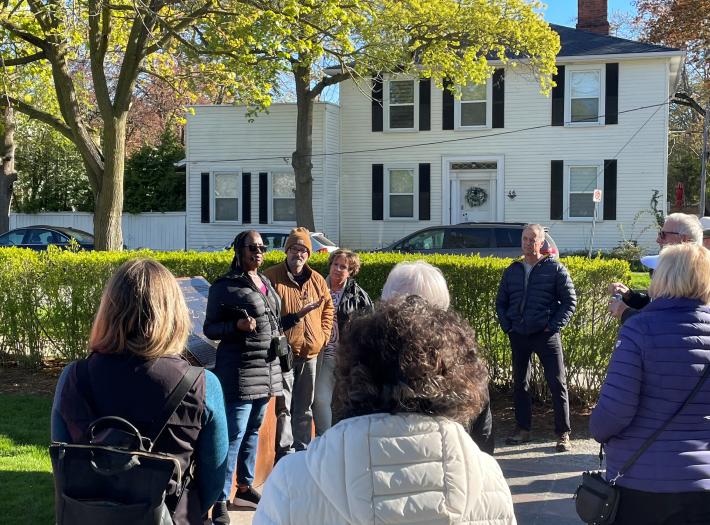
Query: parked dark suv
[499, 239]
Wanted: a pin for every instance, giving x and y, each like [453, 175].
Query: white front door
[474, 199]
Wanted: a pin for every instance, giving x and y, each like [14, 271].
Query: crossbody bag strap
[655, 435]
[173, 402]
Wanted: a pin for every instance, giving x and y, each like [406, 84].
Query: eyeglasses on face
[662, 234]
[298, 250]
[254, 248]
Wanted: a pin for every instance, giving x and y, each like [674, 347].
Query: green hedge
[49, 300]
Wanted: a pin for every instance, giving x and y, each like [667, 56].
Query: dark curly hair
[409, 356]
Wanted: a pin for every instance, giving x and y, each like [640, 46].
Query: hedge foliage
[49, 300]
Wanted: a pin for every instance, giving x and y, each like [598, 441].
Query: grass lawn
[639, 281]
[26, 486]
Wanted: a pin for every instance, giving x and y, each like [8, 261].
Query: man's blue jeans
[244, 418]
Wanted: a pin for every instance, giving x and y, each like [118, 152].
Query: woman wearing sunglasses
[244, 314]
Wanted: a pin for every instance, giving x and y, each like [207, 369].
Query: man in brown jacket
[299, 286]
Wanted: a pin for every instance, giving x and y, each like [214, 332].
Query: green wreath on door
[476, 196]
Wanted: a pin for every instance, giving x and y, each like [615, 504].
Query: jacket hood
[385, 468]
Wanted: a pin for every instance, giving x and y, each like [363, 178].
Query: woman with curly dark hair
[407, 376]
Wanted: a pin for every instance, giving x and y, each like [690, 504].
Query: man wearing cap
[298, 286]
[677, 228]
[705, 223]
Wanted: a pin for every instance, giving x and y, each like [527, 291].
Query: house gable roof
[575, 42]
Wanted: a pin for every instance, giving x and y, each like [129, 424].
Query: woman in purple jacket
[659, 357]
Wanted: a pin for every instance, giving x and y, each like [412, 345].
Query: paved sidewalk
[541, 480]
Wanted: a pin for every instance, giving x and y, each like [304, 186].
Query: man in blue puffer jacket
[535, 300]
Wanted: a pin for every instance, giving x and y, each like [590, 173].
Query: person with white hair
[705, 223]
[678, 228]
[427, 281]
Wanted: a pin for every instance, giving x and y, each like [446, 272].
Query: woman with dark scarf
[244, 314]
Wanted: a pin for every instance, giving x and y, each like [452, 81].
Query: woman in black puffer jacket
[244, 314]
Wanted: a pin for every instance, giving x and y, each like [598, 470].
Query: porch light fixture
[512, 194]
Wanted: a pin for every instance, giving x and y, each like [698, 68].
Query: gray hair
[537, 228]
[417, 278]
[687, 225]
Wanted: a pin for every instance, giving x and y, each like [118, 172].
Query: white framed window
[584, 104]
[474, 110]
[401, 187]
[226, 190]
[282, 197]
[401, 100]
[581, 179]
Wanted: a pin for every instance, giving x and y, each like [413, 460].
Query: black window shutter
[377, 110]
[246, 198]
[378, 194]
[556, 189]
[447, 106]
[499, 98]
[425, 104]
[558, 98]
[424, 192]
[611, 102]
[205, 197]
[263, 198]
[610, 190]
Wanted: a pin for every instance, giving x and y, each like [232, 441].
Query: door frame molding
[447, 178]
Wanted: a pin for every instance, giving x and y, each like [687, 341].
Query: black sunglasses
[254, 248]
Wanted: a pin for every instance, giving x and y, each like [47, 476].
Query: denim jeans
[548, 347]
[294, 415]
[244, 417]
[323, 398]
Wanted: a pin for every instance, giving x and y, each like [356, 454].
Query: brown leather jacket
[309, 336]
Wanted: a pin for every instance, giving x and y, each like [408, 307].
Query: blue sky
[564, 12]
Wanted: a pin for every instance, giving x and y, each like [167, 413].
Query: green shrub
[49, 300]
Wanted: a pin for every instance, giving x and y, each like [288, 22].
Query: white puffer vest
[388, 469]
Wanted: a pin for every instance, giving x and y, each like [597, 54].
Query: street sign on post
[597, 196]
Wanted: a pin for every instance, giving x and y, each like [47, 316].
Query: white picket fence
[157, 231]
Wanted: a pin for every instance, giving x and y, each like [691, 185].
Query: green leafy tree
[322, 43]
[89, 59]
[152, 184]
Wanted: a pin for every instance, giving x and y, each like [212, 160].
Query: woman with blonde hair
[134, 365]
[659, 360]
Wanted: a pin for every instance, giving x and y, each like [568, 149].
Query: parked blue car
[39, 237]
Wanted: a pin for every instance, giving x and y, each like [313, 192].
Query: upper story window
[283, 197]
[581, 181]
[473, 110]
[585, 103]
[401, 193]
[401, 104]
[226, 196]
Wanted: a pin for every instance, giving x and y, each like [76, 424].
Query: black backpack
[116, 478]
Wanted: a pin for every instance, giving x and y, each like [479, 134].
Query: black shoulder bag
[117, 479]
[597, 499]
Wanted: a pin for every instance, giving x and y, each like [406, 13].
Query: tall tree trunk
[108, 208]
[8, 176]
[301, 158]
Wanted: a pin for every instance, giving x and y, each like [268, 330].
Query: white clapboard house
[410, 155]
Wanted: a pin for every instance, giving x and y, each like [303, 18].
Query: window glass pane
[401, 117]
[402, 205]
[226, 209]
[508, 237]
[12, 238]
[323, 240]
[273, 240]
[283, 185]
[460, 238]
[473, 114]
[582, 178]
[581, 205]
[225, 185]
[402, 92]
[585, 84]
[428, 240]
[584, 110]
[284, 210]
[401, 181]
[474, 165]
[81, 236]
[474, 92]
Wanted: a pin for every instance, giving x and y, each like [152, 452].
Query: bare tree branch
[19, 61]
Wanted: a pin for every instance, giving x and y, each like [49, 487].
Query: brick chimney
[592, 16]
